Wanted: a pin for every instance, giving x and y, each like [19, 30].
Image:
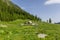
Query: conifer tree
[50, 21]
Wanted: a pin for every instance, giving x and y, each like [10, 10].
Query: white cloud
[48, 2]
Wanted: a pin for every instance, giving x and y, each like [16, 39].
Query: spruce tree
[50, 21]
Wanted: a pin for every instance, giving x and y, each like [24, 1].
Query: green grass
[15, 31]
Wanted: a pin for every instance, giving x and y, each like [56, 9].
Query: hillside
[9, 12]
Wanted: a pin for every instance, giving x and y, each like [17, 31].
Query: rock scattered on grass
[29, 23]
[42, 35]
[2, 25]
[22, 24]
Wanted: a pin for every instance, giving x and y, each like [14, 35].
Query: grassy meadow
[13, 30]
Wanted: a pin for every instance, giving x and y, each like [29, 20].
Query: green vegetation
[15, 31]
[10, 12]
[11, 18]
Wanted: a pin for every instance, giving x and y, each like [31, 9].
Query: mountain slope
[9, 12]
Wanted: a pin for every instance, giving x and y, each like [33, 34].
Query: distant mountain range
[57, 23]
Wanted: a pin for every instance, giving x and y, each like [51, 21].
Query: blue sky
[44, 9]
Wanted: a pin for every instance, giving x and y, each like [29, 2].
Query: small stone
[33, 24]
[22, 24]
[1, 25]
